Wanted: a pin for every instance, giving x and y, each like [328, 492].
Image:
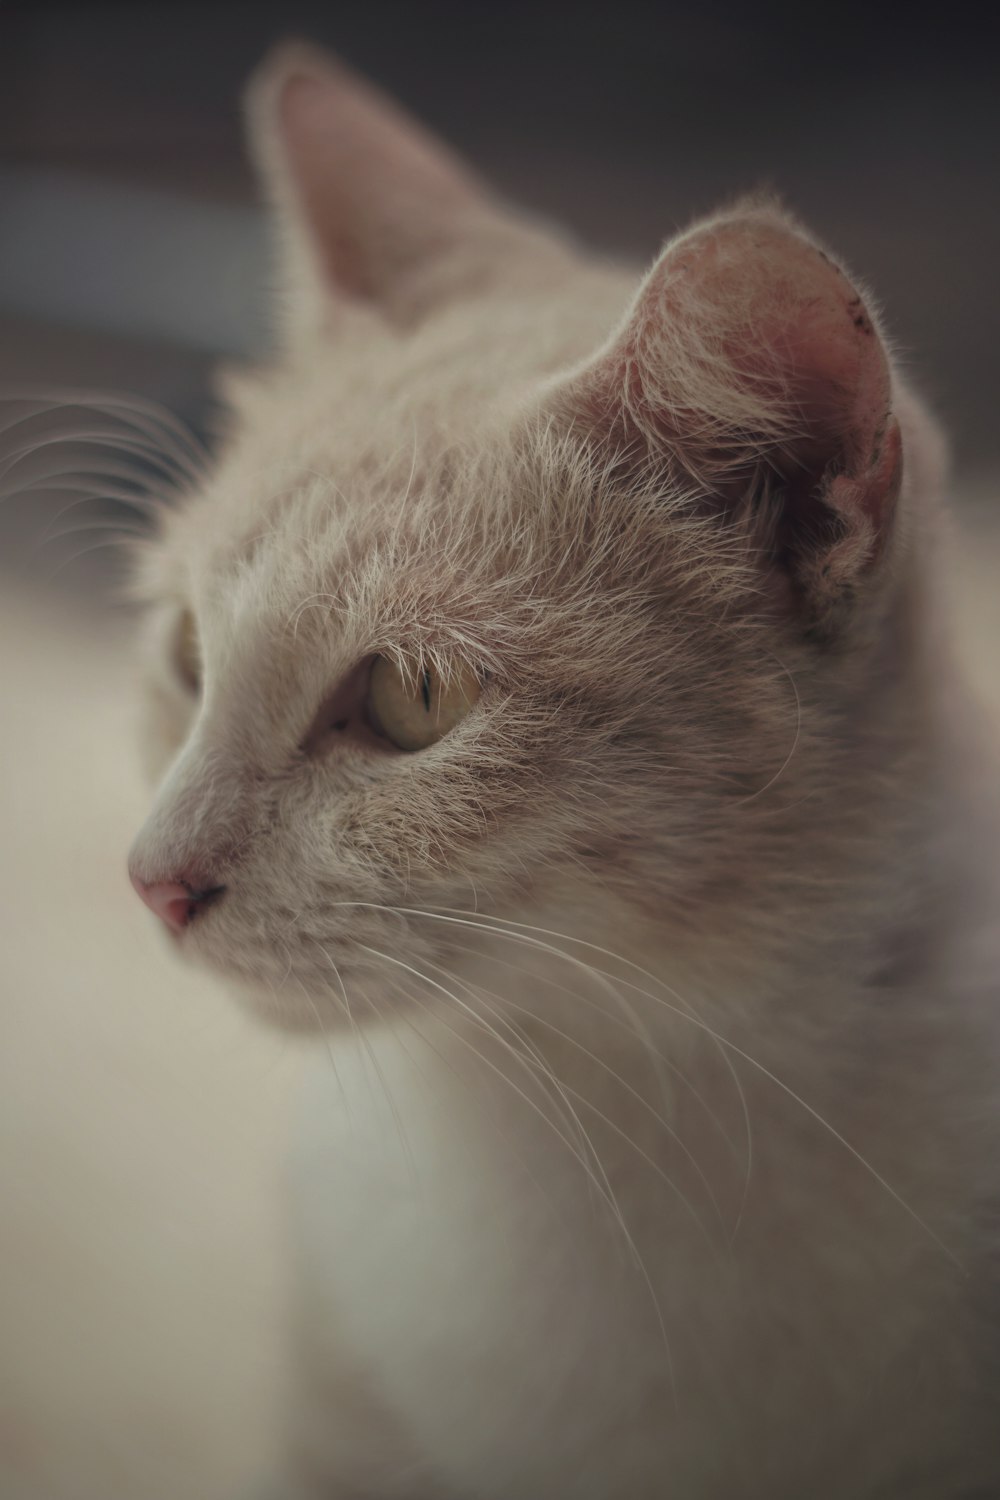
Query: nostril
[176, 902]
[207, 896]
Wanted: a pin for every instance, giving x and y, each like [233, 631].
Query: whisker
[693, 1019]
[124, 494]
[504, 925]
[75, 557]
[484, 1026]
[574, 1123]
[688, 1015]
[157, 423]
[409, 999]
[101, 437]
[365, 1042]
[326, 1042]
[628, 1022]
[567, 1090]
[604, 1066]
[607, 1193]
[121, 528]
[522, 1062]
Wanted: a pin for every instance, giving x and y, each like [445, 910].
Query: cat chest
[490, 1293]
[526, 1327]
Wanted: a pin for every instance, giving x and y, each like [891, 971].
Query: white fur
[651, 1145]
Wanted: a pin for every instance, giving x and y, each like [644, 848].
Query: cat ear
[370, 208]
[750, 367]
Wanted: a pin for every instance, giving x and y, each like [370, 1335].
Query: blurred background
[141, 1119]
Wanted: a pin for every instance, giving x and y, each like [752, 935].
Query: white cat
[553, 714]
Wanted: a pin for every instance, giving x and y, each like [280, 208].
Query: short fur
[658, 1157]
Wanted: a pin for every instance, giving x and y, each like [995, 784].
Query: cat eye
[414, 710]
[187, 652]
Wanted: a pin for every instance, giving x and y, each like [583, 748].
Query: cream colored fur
[652, 1144]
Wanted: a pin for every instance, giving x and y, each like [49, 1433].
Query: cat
[553, 712]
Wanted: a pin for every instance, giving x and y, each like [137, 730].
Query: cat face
[516, 587]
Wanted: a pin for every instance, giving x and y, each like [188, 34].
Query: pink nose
[176, 902]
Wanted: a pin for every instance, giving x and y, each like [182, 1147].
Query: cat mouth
[196, 912]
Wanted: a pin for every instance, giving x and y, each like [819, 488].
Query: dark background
[880, 126]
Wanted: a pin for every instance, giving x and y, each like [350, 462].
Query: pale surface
[140, 1122]
[141, 1118]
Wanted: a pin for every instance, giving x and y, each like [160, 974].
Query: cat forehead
[335, 503]
[326, 443]
[309, 490]
[366, 549]
[477, 551]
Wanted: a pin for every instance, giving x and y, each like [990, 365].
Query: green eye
[416, 712]
[187, 652]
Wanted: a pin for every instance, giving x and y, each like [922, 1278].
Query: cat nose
[176, 902]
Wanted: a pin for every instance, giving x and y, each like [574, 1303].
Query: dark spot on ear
[340, 724]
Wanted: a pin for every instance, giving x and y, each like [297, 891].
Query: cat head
[522, 583]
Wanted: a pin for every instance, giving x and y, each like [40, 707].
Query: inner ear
[750, 368]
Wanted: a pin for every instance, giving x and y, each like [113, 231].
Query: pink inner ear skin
[788, 321]
[748, 350]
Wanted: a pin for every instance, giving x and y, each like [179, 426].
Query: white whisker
[364, 1041]
[544, 1072]
[688, 1015]
[604, 1188]
[623, 1083]
[685, 1013]
[155, 423]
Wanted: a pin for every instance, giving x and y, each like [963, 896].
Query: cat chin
[285, 1011]
[288, 1006]
[276, 1004]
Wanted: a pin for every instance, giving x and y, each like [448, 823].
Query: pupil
[425, 689]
